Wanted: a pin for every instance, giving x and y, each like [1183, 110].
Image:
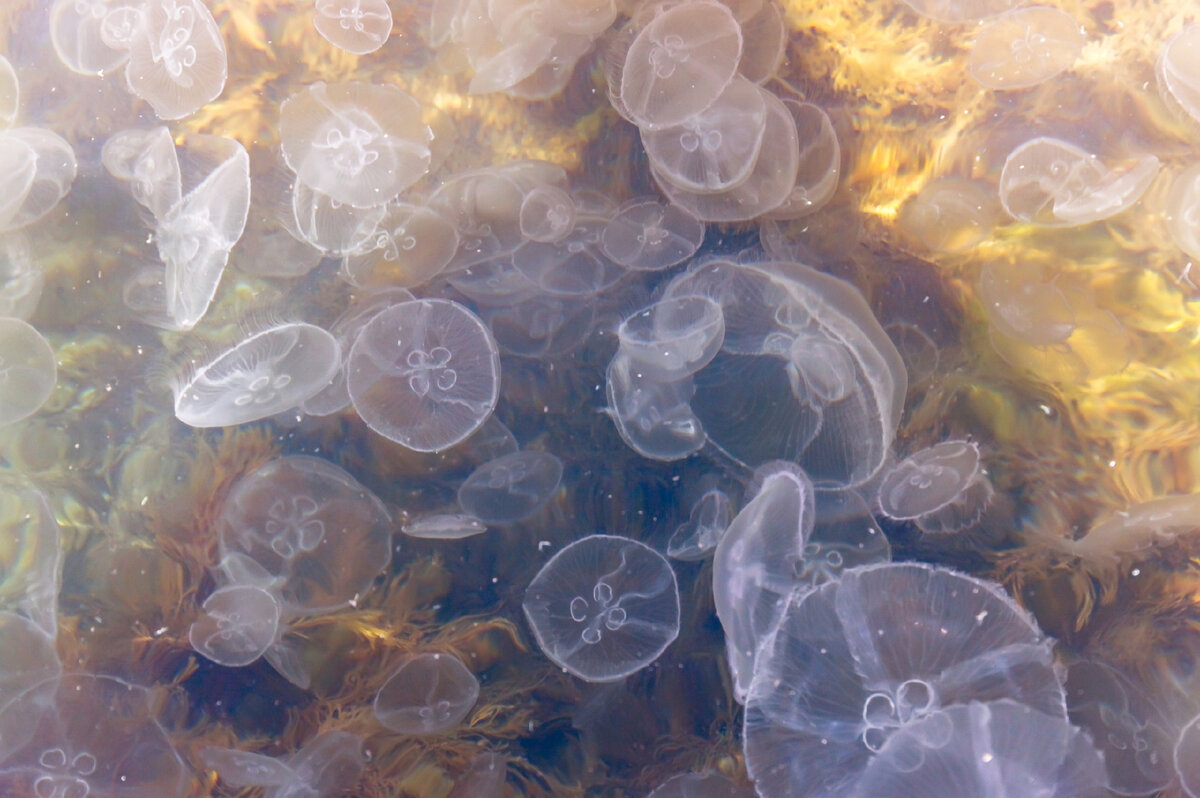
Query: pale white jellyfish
[356, 26]
[177, 59]
[427, 694]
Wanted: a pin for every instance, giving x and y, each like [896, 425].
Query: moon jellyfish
[330, 225]
[1021, 305]
[652, 412]
[756, 565]
[512, 487]
[1187, 758]
[311, 526]
[445, 526]
[31, 555]
[999, 748]
[844, 535]
[27, 656]
[425, 374]
[358, 143]
[819, 166]
[680, 62]
[1054, 183]
[77, 34]
[547, 214]
[28, 372]
[949, 214]
[146, 159]
[356, 26]
[960, 10]
[943, 488]
[603, 607]
[647, 235]
[674, 337]
[38, 170]
[484, 778]
[1177, 67]
[1025, 47]
[885, 648]
[88, 736]
[195, 236]
[177, 59]
[324, 767]
[267, 373]
[1139, 526]
[707, 522]
[1183, 211]
[427, 694]
[411, 245]
[238, 625]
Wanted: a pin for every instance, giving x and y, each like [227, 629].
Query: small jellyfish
[1021, 304]
[512, 487]
[38, 170]
[1177, 67]
[177, 59]
[1187, 758]
[949, 214]
[324, 767]
[84, 735]
[679, 63]
[411, 245]
[674, 337]
[943, 488]
[1053, 183]
[647, 235]
[239, 624]
[604, 607]
[358, 143]
[1025, 47]
[310, 524]
[425, 374]
[146, 159]
[77, 33]
[427, 694]
[356, 26]
[28, 372]
[444, 526]
[267, 373]
[707, 522]
[820, 163]
[547, 214]
[653, 414]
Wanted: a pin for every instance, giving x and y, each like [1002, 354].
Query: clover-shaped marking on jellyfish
[427, 694]
[1025, 47]
[604, 607]
[292, 528]
[356, 26]
[63, 775]
[943, 488]
[177, 60]
[424, 370]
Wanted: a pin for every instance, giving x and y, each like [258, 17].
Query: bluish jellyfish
[512, 487]
[484, 205]
[860, 659]
[604, 607]
[267, 373]
[652, 413]
[313, 526]
[427, 694]
[28, 372]
[324, 767]
[707, 522]
[646, 234]
[1025, 47]
[425, 374]
[358, 143]
[239, 623]
[943, 488]
[335, 227]
[356, 26]
[84, 735]
[547, 214]
[177, 59]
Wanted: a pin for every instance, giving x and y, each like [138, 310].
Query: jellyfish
[427, 694]
[356, 26]
[1053, 183]
[424, 374]
[27, 656]
[38, 167]
[679, 63]
[324, 767]
[1139, 526]
[1187, 758]
[942, 489]
[652, 412]
[312, 526]
[674, 337]
[875, 654]
[512, 487]
[960, 10]
[484, 778]
[269, 372]
[819, 165]
[31, 555]
[1176, 70]
[147, 160]
[77, 34]
[239, 624]
[547, 214]
[949, 214]
[28, 372]
[358, 143]
[844, 535]
[1025, 47]
[603, 607]
[330, 225]
[410, 245]
[444, 526]
[86, 735]
[756, 565]
[1183, 211]
[707, 523]
[647, 235]
[177, 59]
[764, 35]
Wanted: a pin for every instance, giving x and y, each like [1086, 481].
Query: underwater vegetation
[497, 398]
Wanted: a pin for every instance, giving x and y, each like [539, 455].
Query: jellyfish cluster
[514, 398]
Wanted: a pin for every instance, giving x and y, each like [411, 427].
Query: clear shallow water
[1069, 430]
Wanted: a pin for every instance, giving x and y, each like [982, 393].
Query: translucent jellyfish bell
[28, 372]
[1025, 47]
[652, 412]
[512, 487]
[359, 143]
[444, 526]
[950, 214]
[27, 656]
[31, 555]
[860, 659]
[425, 374]
[943, 488]
[146, 159]
[356, 26]
[680, 62]
[311, 525]
[27, 198]
[427, 694]
[1183, 211]
[1177, 70]
[1187, 758]
[267, 373]
[411, 245]
[674, 337]
[819, 166]
[1050, 182]
[604, 607]
[648, 235]
[87, 736]
[239, 624]
[76, 31]
[177, 59]
[707, 522]
[324, 767]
